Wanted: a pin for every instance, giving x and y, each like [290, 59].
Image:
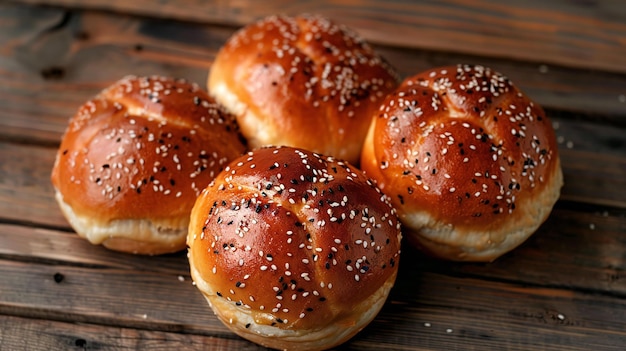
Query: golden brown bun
[301, 81]
[293, 250]
[470, 163]
[134, 159]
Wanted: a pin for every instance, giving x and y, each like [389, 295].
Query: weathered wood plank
[26, 193]
[52, 61]
[29, 334]
[578, 34]
[132, 298]
[32, 244]
[424, 311]
[575, 249]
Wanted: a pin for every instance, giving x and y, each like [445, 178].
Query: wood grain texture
[424, 308]
[572, 33]
[52, 60]
[32, 244]
[26, 193]
[28, 334]
[579, 249]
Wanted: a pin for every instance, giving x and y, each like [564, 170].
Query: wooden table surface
[564, 289]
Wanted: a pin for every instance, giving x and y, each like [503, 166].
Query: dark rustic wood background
[564, 289]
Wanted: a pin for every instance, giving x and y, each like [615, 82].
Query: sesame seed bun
[469, 161]
[135, 157]
[293, 250]
[301, 81]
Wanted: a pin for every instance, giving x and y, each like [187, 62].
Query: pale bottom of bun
[136, 236]
[456, 243]
[330, 333]
[253, 129]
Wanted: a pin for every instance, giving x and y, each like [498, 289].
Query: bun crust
[293, 250]
[135, 157]
[470, 162]
[301, 81]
